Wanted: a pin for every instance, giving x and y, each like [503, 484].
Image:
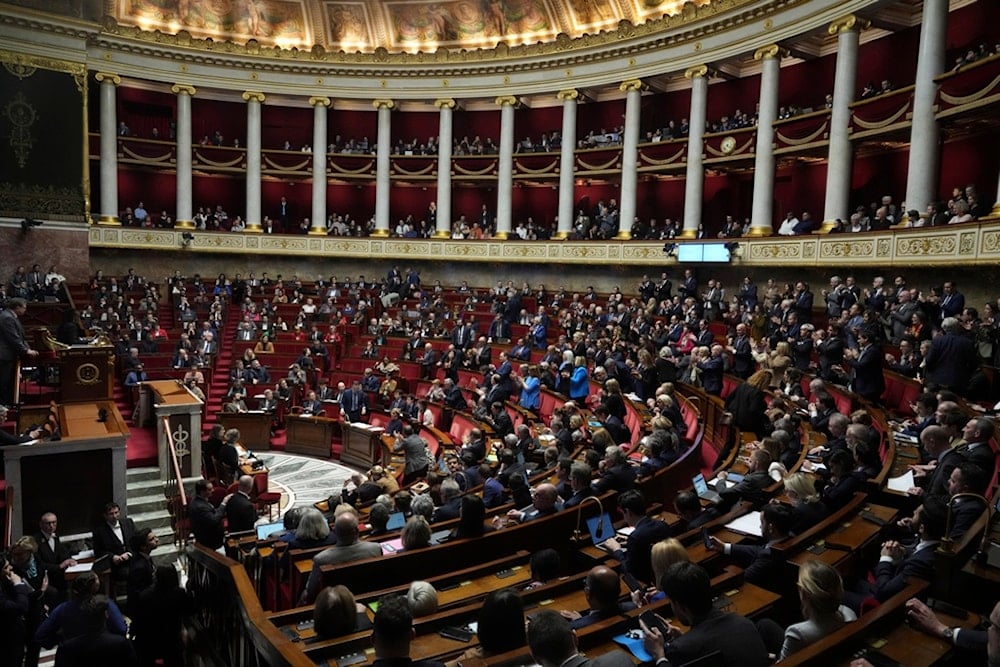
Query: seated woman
[416, 534]
[664, 554]
[820, 594]
[336, 613]
[808, 508]
[422, 598]
[264, 345]
[501, 627]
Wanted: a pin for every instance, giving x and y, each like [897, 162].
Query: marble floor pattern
[302, 480]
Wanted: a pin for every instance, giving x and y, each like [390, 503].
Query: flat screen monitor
[702, 252]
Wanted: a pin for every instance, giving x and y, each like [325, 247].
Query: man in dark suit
[553, 644]
[733, 636]
[952, 301]
[762, 566]
[645, 533]
[603, 590]
[354, 402]
[428, 361]
[712, 370]
[13, 346]
[952, 359]
[52, 553]
[830, 348]
[580, 475]
[705, 336]
[751, 487]
[803, 302]
[743, 363]
[977, 434]
[451, 502]
[689, 287]
[392, 634]
[240, 511]
[97, 645]
[866, 361]
[933, 480]
[616, 472]
[205, 518]
[112, 537]
[462, 335]
[692, 513]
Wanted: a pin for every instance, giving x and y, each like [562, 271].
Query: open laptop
[701, 488]
[601, 529]
[396, 521]
[265, 530]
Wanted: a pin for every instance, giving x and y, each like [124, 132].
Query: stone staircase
[147, 506]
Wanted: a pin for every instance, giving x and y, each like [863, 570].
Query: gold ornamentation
[88, 374]
[805, 140]
[40, 62]
[696, 71]
[183, 88]
[319, 100]
[631, 84]
[20, 70]
[959, 100]
[881, 123]
[653, 161]
[728, 145]
[254, 95]
[101, 77]
[445, 103]
[383, 104]
[770, 51]
[847, 24]
[568, 94]
[505, 100]
[22, 116]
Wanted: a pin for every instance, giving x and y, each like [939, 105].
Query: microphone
[102, 415]
[579, 518]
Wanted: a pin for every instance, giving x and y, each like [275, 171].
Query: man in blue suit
[646, 532]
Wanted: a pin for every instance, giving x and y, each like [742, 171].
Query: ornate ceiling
[396, 25]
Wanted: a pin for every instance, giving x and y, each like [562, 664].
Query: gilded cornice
[55, 64]
[114, 79]
[384, 104]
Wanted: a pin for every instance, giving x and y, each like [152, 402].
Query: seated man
[393, 632]
[967, 477]
[762, 566]
[553, 644]
[688, 506]
[580, 475]
[646, 532]
[751, 488]
[544, 501]
[603, 590]
[731, 635]
[348, 548]
[617, 473]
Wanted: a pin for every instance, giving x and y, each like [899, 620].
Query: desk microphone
[102, 415]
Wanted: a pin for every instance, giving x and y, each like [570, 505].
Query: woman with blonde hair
[821, 592]
[664, 554]
[778, 361]
[806, 504]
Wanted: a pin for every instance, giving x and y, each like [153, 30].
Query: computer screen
[700, 485]
[702, 252]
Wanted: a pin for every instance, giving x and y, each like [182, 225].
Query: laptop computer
[601, 529]
[265, 530]
[701, 488]
[396, 521]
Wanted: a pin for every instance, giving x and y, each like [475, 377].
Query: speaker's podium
[84, 372]
[362, 444]
[178, 412]
[74, 476]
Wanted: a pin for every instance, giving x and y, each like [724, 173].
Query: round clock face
[88, 374]
[728, 144]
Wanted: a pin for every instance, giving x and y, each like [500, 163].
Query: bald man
[933, 479]
[544, 501]
[241, 514]
[349, 547]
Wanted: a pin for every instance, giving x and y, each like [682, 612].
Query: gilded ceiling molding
[183, 88]
[770, 51]
[319, 100]
[847, 24]
[107, 76]
[29, 60]
[570, 94]
[254, 95]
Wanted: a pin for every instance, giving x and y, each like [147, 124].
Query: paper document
[903, 483]
[748, 524]
[80, 567]
[88, 553]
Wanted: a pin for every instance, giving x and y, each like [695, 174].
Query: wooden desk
[847, 537]
[254, 427]
[171, 399]
[362, 445]
[87, 467]
[310, 435]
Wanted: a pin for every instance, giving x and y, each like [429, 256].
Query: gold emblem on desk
[728, 145]
[88, 374]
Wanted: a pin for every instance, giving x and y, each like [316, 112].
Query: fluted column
[567, 162]
[109, 148]
[442, 223]
[505, 169]
[630, 157]
[383, 186]
[921, 174]
[254, 100]
[762, 211]
[184, 214]
[695, 179]
[320, 105]
[839, 164]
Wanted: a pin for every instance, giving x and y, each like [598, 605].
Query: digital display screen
[702, 252]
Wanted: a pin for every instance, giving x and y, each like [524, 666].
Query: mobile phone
[456, 633]
[632, 583]
[503, 574]
[352, 659]
[652, 621]
[706, 538]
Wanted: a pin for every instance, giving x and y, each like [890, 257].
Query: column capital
[631, 84]
[253, 96]
[384, 104]
[319, 100]
[445, 103]
[770, 51]
[108, 76]
[848, 23]
[183, 89]
[506, 100]
[695, 72]
[568, 94]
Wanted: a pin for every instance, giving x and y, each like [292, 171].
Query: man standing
[240, 511]
[52, 553]
[415, 449]
[112, 536]
[12, 347]
[354, 402]
[206, 519]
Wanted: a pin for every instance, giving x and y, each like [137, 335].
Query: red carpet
[140, 448]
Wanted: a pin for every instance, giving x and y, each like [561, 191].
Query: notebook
[701, 488]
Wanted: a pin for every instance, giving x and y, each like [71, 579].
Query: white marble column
[567, 162]
[383, 186]
[630, 158]
[840, 162]
[320, 105]
[109, 148]
[922, 172]
[254, 100]
[184, 213]
[694, 184]
[505, 168]
[442, 223]
[762, 210]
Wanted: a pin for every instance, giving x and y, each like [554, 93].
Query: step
[147, 505]
[137, 475]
